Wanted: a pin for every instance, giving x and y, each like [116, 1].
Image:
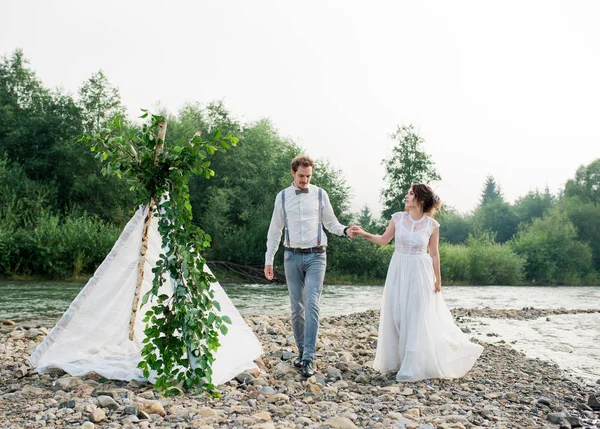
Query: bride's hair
[425, 195]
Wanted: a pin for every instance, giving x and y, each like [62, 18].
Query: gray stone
[267, 390]
[132, 409]
[333, 373]
[556, 418]
[593, 402]
[67, 404]
[244, 378]
[287, 356]
[544, 401]
[107, 402]
[575, 421]
[338, 422]
[32, 390]
[68, 383]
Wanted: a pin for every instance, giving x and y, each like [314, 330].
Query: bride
[417, 335]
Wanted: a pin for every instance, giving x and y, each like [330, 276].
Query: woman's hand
[355, 231]
[437, 287]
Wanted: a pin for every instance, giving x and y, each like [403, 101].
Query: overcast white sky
[509, 88]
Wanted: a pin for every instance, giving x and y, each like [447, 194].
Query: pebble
[504, 387]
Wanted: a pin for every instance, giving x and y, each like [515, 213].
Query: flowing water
[572, 341]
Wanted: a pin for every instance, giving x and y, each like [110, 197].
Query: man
[302, 210]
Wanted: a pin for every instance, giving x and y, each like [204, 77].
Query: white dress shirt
[303, 220]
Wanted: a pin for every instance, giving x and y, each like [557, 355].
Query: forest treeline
[59, 216]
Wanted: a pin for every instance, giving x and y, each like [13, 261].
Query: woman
[417, 334]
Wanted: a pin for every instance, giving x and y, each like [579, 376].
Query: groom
[302, 210]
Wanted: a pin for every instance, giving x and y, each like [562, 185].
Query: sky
[509, 89]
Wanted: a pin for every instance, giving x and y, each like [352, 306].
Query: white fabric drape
[93, 334]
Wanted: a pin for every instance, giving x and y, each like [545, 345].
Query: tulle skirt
[417, 335]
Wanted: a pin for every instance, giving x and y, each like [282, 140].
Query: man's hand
[353, 231]
[269, 272]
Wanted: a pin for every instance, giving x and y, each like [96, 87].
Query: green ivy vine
[182, 328]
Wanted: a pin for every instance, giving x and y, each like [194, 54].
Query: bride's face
[410, 201]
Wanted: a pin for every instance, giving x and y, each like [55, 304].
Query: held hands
[354, 231]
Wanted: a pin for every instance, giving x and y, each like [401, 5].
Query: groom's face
[302, 177]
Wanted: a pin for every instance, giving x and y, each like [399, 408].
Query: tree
[365, 218]
[497, 217]
[586, 218]
[533, 205]
[454, 228]
[491, 191]
[586, 184]
[39, 130]
[552, 251]
[408, 164]
[100, 102]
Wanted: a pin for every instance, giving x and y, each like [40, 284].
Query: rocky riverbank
[504, 389]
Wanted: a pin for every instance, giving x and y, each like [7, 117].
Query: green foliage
[235, 207]
[100, 102]
[358, 260]
[454, 263]
[454, 228]
[586, 219]
[55, 247]
[586, 184]
[498, 217]
[181, 330]
[49, 180]
[491, 191]
[21, 200]
[38, 132]
[552, 251]
[491, 263]
[533, 205]
[408, 164]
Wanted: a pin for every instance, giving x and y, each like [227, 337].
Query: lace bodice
[412, 236]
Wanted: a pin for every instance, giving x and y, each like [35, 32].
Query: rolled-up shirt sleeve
[274, 234]
[329, 219]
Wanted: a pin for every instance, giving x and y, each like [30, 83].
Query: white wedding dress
[417, 335]
[93, 334]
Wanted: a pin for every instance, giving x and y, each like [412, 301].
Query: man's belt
[318, 249]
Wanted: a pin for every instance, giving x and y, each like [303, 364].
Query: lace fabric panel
[412, 236]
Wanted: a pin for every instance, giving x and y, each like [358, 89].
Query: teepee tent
[93, 334]
[102, 331]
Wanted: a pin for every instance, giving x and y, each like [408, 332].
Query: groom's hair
[302, 161]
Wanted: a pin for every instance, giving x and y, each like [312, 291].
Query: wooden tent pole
[162, 132]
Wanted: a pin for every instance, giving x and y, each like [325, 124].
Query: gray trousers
[304, 273]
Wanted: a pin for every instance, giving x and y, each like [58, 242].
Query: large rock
[107, 402]
[593, 402]
[68, 383]
[152, 407]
